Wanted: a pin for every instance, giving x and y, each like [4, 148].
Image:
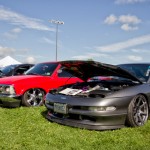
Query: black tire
[33, 97]
[138, 111]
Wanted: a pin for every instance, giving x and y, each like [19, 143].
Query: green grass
[27, 129]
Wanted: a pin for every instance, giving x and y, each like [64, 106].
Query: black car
[100, 104]
[15, 69]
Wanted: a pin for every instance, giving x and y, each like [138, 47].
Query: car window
[7, 69]
[64, 73]
[21, 70]
[45, 69]
[141, 71]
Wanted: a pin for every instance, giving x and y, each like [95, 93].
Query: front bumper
[10, 100]
[75, 112]
[103, 123]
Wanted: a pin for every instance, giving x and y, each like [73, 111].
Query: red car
[30, 88]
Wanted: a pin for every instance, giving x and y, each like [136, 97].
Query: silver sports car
[122, 99]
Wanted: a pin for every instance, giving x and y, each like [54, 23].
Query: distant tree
[90, 59]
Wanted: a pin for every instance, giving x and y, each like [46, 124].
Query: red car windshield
[45, 69]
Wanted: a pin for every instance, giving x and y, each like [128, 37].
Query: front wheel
[138, 111]
[33, 97]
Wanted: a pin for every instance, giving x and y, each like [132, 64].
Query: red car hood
[14, 79]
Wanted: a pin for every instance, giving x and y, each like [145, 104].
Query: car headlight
[7, 89]
[102, 108]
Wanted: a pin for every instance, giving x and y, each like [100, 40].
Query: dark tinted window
[63, 73]
[45, 69]
[7, 69]
[141, 71]
[22, 69]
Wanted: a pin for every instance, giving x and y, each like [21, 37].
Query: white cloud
[129, 19]
[129, 1]
[47, 40]
[5, 51]
[110, 19]
[127, 27]
[16, 30]
[13, 34]
[90, 56]
[135, 50]
[124, 45]
[21, 20]
[128, 22]
[82, 57]
[135, 58]
[30, 60]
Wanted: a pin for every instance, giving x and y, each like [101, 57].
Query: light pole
[57, 22]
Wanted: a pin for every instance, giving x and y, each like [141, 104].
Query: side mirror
[59, 71]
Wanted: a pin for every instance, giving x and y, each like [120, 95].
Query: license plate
[60, 108]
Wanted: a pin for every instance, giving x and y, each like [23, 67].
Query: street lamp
[57, 22]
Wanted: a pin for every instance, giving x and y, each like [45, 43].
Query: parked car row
[29, 89]
[119, 96]
[15, 69]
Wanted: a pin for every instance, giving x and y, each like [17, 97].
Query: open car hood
[87, 69]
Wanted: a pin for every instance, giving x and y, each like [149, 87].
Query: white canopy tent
[8, 61]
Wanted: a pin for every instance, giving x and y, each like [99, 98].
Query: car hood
[87, 69]
[16, 79]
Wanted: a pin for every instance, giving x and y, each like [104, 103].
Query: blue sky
[109, 31]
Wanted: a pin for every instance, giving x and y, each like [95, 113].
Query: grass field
[27, 129]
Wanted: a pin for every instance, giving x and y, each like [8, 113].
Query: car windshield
[45, 69]
[141, 71]
[7, 69]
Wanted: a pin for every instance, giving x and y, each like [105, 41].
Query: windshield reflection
[7, 69]
[45, 69]
[141, 71]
